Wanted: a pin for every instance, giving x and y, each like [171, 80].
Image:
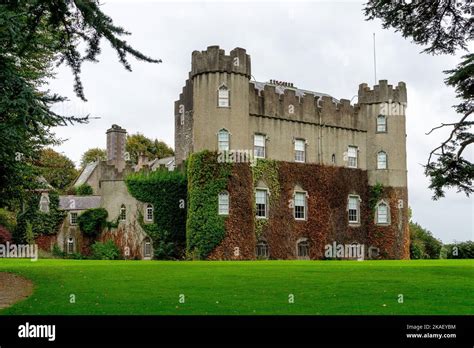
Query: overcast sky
[321, 46]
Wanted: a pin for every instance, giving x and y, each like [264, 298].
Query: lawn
[262, 287]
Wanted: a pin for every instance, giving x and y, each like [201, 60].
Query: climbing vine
[166, 192]
[267, 171]
[376, 193]
[206, 179]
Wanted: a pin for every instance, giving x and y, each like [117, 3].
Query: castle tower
[215, 98]
[384, 108]
[116, 140]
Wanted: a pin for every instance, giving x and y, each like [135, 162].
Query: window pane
[299, 145]
[259, 140]
[381, 160]
[260, 197]
[224, 203]
[382, 213]
[299, 198]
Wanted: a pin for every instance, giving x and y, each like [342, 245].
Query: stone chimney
[142, 161]
[116, 140]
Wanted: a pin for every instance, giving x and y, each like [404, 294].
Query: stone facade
[367, 137]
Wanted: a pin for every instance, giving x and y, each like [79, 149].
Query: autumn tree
[58, 170]
[139, 144]
[92, 155]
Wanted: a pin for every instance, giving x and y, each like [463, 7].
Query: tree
[423, 245]
[58, 170]
[34, 36]
[139, 144]
[93, 155]
[443, 26]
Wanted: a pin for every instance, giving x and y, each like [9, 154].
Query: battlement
[298, 105]
[382, 93]
[214, 59]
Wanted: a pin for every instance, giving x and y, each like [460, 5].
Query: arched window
[381, 160]
[381, 124]
[149, 212]
[383, 214]
[224, 203]
[123, 213]
[302, 247]
[223, 97]
[44, 203]
[223, 140]
[262, 250]
[70, 245]
[333, 158]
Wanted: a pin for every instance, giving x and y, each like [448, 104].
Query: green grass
[262, 287]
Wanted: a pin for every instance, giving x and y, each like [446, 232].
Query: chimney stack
[116, 140]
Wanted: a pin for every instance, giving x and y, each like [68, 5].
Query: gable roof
[86, 173]
[71, 202]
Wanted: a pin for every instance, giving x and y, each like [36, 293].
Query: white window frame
[223, 96]
[147, 247]
[349, 157]
[385, 166]
[387, 215]
[357, 200]
[262, 245]
[73, 221]
[223, 131]
[255, 146]
[381, 127]
[265, 190]
[300, 155]
[148, 208]
[223, 203]
[306, 242]
[305, 205]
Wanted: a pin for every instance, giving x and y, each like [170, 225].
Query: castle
[333, 157]
[339, 169]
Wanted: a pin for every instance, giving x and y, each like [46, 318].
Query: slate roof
[86, 173]
[280, 89]
[79, 202]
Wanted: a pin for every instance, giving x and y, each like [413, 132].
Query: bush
[92, 221]
[422, 241]
[84, 190]
[57, 252]
[5, 235]
[7, 219]
[463, 250]
[105, 251]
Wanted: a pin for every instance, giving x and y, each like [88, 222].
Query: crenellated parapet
[382, 93]
[214, 59]
[297, 105]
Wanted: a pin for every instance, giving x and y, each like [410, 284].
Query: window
[44, 203]
[352, 157]
[149, 212]
[223, 96]
[262, 250]
[300, 150]
[353, 209]
[147, 248]
[333, 158]
[381, 160]
[300, 206]
[303, 249]
[73, 218]
[123, 213]
[70, 245]
[382, 213]
[259, 145]
[261, 203]
[224, 203]
[223, 140]
[381, 124]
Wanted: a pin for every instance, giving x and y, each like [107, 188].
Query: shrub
[5, 235]
[57, 252]
[105, 251]
[422, 241]
[84, 190]
[166, 191]
[462, 250]
[92, 221]
[7, 219]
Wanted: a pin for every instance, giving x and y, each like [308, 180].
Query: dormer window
[223, 97]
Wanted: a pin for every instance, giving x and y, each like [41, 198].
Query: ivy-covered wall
[166, 191]
[206, 179]
[326, 222]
